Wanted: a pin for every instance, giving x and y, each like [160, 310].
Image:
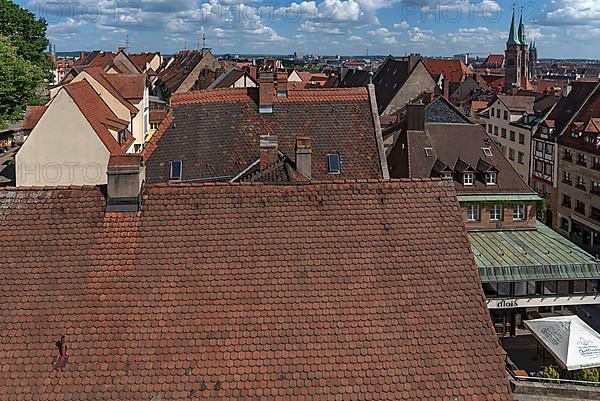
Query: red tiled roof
[99, 75]
[98, 114]
[477, 105]
[130, 86]
[225, 95]
[216, 132]
[32, 116]
[230, 292]
[494, 59]
[157, 115]
[140, 60]
[518, 103]
[453, 70]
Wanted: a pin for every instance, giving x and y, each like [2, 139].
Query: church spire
[512, 36]
[522, 37]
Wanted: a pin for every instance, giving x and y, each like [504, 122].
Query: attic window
[487, 152]
[429, 152]
[468, 179]
[175, 173]
[333, 163]
[491, 178]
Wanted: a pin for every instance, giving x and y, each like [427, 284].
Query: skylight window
[175, 173]
[487, 152]
[333, 163]
[429, 152]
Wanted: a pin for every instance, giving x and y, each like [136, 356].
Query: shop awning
[573, 343]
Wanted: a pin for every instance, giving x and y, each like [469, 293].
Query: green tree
[19, 82]
[26, 33]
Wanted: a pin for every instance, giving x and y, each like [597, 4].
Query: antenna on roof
[204, 41]
[127, 42]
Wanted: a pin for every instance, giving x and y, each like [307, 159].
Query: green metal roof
[513, 38]
[498, 197]
[540, 254]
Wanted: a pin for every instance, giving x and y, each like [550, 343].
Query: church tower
[533, 60]
[517, 57]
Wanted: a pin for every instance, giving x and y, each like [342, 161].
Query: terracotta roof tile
[453, 70]
[102, 78]
[130, 86]
[250, 291]
[32, 116]
[216, 132]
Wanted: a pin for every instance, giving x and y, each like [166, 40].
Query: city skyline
[561, 28]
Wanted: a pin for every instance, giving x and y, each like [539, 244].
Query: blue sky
[561, 28]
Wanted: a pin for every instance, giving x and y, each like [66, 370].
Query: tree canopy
[24, 66]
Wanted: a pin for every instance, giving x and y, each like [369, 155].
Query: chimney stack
[415, 116]
[303, 155]
[446, 88]
[282, 86]
[126, 176]
[265, 92]
[122, 49]
[268, 151]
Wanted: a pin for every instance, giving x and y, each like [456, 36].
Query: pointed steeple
[522, 37]
[512, 36]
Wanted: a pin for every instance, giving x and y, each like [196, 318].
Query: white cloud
[417, 35]
[402, 25]
[572, 12]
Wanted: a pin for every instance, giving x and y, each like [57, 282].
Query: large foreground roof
[349, 290]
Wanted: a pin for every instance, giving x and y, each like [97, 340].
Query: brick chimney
[268, 151]
[303, 155]
[446, 88]
[126, 176]
[282, 85]
[266, 88]
[415, 116]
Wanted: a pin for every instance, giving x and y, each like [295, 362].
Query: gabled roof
[586, 114]
[494, 59]
[32, 116]
[567, 107]
[281, 171]
[453, 70]
[389, 79]
[355, 79]
[227, 79]
[98, 114]
[182, 65]
[130, 86]
[140, 60]
[245, 291]
[216, 132]
[107, 83]
[521, 104]
[458, 145]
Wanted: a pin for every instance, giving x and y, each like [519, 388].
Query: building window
[538, 166]
[581, 159]
[333, 163]
[521, 157]
[519, 212]
[512, 134]
[566, 201]
[595, 187]
[538, 187]
[595, 213]
[175, 173]
[539, 146]
[496, 213]
[511, 154]
[548, 169]
[491, 178]
[580, 183]
[567, 179]
[490, 128]
[496, 131]
[564, 224]
[446, 175]
[472, 212]
[522, 139]
[503, 133]
[567, 155]
[468, 179]
[154, 125]
[580, 207]
[505, 115]
[549, 149]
